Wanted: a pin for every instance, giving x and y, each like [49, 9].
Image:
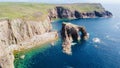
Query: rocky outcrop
[103, 14]
[19, 34]
[70, 33]
[62, 12]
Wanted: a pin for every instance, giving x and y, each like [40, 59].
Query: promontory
[27, 25]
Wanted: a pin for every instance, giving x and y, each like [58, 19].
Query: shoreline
[7, 60]
[31, 31]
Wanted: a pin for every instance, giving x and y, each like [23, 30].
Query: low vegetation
[39, 10]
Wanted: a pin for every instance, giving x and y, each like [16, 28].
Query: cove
[85, 54]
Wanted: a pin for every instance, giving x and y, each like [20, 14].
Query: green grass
[39, 11]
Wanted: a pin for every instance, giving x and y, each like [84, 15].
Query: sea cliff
[63, 12]
[17, 34]
[26, 25]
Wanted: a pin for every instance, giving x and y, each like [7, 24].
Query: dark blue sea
[101, 50]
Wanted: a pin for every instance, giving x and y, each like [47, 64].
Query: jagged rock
[69, 33]
[99, 14]
[78, 14]
[52, 14]
[89, 15]
[109, 14]
[103, 14]
[17, 30]
[19, 34]
[62, 12]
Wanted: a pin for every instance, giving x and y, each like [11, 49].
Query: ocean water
[101, 50]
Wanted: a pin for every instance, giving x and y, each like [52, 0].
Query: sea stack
[70, 33]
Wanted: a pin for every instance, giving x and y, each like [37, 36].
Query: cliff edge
[62, 12]
[39, 11]
[17, 35]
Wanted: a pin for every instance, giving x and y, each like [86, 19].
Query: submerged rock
[70, 33]
[22, 56]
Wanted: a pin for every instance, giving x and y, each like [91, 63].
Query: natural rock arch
[69, 33]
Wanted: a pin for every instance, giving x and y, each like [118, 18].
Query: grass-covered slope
[85, 7]
[40, 11]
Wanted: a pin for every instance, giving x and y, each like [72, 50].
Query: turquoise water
[85, 54]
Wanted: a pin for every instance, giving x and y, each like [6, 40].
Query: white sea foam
[117, 26]
[69, 66]
[96, 40]
[73, 43]
[88, 34]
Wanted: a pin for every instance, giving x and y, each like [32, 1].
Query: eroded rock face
[70, 33]
[15, 31]
[103, 14]
[61, 12]
[77, 14]
[18, 34]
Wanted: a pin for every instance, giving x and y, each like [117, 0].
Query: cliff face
[15, 31]
[18, 34]
[70, 33]
[62, 12]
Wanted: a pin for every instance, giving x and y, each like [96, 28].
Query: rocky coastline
[62, 12]
[19, 34]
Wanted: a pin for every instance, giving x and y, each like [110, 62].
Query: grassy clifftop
[40, 11]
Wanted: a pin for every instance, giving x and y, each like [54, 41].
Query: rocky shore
[62, 12]
[20, 34]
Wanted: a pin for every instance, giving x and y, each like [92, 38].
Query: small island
[27, 25]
